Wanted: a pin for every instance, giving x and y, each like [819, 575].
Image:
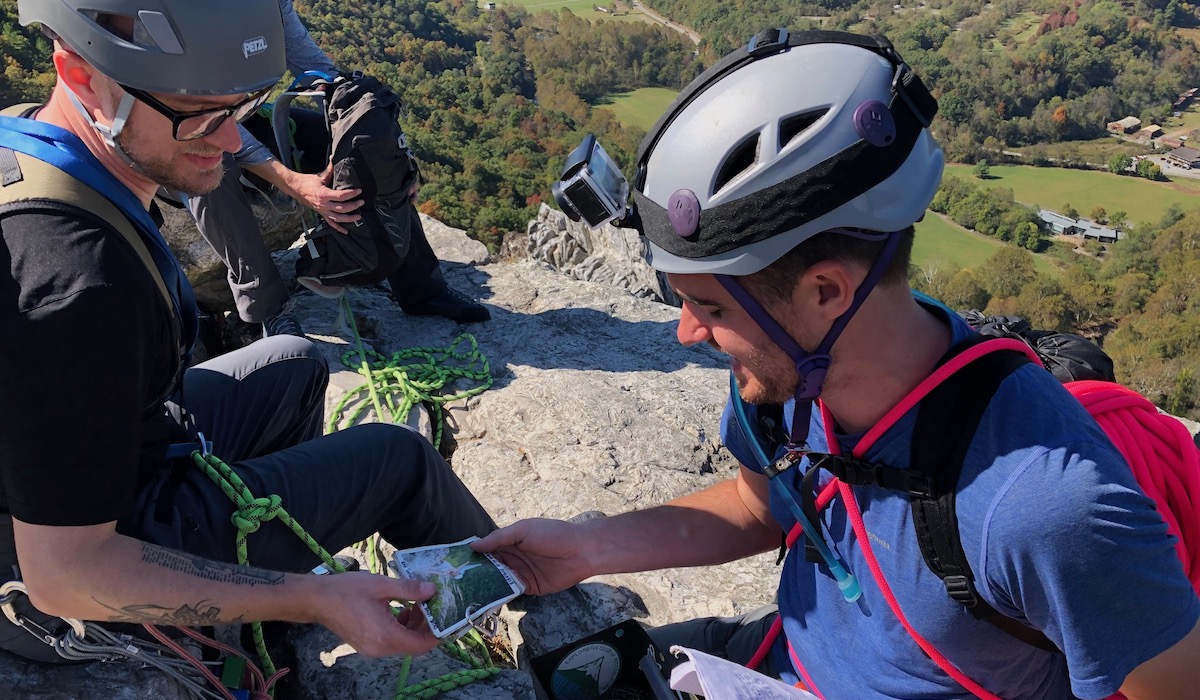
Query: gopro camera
[591, 186]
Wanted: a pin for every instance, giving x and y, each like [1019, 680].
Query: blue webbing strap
[62, 149]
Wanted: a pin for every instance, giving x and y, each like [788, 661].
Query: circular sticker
[586, 673]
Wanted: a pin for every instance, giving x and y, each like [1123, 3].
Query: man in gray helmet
[779, 193]
[225, 219]
[110, 518]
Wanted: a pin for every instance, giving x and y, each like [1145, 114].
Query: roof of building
[1091, 228]
[1186, 153]
[1128, 122]
[1054, 218]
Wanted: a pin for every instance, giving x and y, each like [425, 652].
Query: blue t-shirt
[1055, 529]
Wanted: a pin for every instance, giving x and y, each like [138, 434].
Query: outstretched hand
[337, 207]
[357, 609]
[547, 555]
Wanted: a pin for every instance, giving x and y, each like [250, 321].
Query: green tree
[965, 292]
[1069, 211]
[1119, 163]
[1149, 169]
[982, 170]
[1007, 271]
[1099, 214]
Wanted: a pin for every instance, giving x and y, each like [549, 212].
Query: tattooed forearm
[202, 613]
[207, 569]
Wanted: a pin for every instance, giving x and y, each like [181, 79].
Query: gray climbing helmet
[790, 136]
[193, 47]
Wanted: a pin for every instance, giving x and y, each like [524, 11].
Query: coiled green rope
[433, 687]
[412, 376]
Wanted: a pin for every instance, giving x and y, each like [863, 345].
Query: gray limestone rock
[609, 255]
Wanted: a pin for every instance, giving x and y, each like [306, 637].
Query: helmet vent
[793, 126]
[740, 160]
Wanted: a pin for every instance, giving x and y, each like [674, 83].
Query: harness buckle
[961, 590]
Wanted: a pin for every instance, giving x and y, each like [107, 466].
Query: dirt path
[659, 19]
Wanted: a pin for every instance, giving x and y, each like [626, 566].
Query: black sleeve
[77, 315]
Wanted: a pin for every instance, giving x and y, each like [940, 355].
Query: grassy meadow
[939, 239]
[1052, 188]
[638, 108]
[583, 8]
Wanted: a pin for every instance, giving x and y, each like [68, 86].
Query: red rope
[1162, 455]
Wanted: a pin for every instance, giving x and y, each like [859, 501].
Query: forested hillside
[497, 99]
[1008, 73]
[26, 71]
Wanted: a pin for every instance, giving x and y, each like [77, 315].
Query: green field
[1052, 188]
[638, 108]
[1097, 150]
[941, 240]
[583, 8]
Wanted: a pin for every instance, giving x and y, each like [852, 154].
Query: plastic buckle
[767, 41]
[900, 88]
[961, 590]
[205, 445]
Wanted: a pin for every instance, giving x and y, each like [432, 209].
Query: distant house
[1172, 141]
[1091, 229]
[1066, 226]
[1128, 125]
[489, 6]
[1184, 157]
[1150, 132]
[1184, 98]
[1058, 223]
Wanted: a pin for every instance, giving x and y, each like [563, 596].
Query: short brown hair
[774, 283]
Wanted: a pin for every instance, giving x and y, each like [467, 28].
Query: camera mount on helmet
[591, 186]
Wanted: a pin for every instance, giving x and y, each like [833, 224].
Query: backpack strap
[27, 179]
[42, 162]
[947, 420]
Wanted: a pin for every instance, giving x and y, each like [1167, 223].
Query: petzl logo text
[251, 47]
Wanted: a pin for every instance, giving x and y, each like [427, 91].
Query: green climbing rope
[411, 377]
[250, 514]
[433, 687]
[415, 375]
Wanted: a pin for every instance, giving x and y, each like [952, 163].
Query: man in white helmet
[779, 193]
[106, 514]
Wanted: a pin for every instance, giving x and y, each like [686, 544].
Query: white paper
[718, 679]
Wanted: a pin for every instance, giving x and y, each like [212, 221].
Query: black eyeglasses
[188, 126]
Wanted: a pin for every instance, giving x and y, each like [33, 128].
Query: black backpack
[1069, 357]
[370, 152]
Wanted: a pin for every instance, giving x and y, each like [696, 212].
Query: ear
[82, 79]
[826, 288]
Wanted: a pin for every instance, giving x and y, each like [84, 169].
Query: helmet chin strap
[811, 366]
[109, 134]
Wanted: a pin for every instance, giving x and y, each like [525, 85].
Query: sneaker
[451, 305]
[282, 323]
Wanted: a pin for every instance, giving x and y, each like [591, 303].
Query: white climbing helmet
[793, 135]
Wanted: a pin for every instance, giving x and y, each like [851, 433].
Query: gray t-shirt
[302, 54]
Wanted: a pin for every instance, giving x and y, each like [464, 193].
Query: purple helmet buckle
[874, 122]
[683, 210]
